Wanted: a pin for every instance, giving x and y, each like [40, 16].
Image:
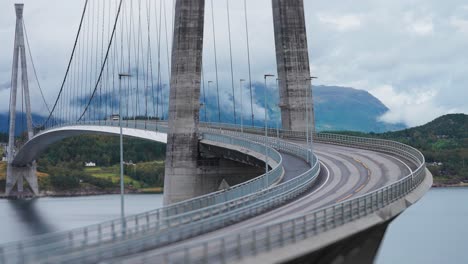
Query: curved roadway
[346, 173]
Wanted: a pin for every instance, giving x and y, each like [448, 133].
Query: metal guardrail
[257, 240]
[84, 237]
[254, 204]
[269, 237]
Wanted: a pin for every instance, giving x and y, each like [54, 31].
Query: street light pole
[122, 205]
[266, 126]
[279, 113]
[309, 103]
[241, 106]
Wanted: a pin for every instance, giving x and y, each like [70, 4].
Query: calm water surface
[435, 230]
[21, 219]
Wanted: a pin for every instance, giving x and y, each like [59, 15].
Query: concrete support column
[181, 181]
[292, 58]
[16, 175]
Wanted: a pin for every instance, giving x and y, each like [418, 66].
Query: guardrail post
[85, 240]
[2, 257]
[254, 242]
[99, 233]
[186, 255]
[223, 250]
[304, 226]
[239, 246]
[113, 231]
[205, 252]
[21, 255]
[70, 239]
[294, 231]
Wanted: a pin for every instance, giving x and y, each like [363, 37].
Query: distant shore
[78, 193]
[454, 185]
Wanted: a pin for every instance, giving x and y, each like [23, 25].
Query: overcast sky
[411, 54]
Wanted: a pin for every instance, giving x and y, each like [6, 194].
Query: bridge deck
[293, 166]
[346, 173]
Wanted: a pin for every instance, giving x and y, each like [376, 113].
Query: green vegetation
[444, 143]
[65, 163]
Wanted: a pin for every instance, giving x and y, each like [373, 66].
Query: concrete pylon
[15, 175]
[292, 59]
[181, 180]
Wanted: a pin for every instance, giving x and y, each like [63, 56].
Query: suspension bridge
[292, 195]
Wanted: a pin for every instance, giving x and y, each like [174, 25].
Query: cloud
[351, 43]
[460, 24]
[412, 108]
[341, 22]
[5, 86]
[422, 26]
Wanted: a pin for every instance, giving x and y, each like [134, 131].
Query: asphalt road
[346, 173]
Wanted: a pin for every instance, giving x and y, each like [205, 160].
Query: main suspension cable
[105, 59]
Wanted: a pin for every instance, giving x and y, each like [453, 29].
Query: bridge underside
[215, 165]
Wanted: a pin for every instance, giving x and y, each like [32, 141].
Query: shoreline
[80, 193]
[84, 193]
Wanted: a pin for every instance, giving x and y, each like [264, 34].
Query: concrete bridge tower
[181, 180]
[292, 59]
[15, 175]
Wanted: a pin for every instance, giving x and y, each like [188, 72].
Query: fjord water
[434, 230]
[21, 219]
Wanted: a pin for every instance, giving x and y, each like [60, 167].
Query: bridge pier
[15, 175]
[292, 59]
[181, 180]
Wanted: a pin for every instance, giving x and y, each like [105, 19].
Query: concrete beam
[181, 181]
[15, 175]
[292, 58]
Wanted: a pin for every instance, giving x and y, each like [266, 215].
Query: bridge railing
[189, 224]
[270, 237]
[110, 231]
[241, 189]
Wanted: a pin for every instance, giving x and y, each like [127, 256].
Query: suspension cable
[34, 67]
[69, 63]
[105, 60]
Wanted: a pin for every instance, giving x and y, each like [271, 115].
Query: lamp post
[241, 106]
[122, 210]
[309, 103]
[279, 113]
[266, 126]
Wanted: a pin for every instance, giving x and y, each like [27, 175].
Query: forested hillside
[444, 143]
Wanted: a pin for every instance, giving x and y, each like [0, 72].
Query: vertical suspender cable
[204, 95]
[216, 61]
[159, 60]
[167, 49]
[105, 58]
[248, 60]
[230, 56]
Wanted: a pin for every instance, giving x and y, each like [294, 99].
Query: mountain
[20, 122]
[342, 108]
[336, 109]
[444, 143]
